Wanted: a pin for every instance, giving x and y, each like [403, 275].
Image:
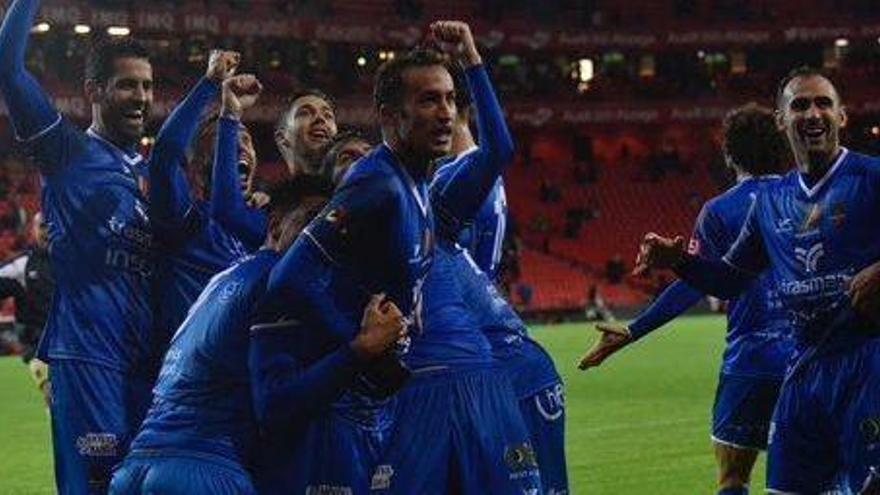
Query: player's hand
[455, 38]
[382, 326]
[658, 252]
[614, 337]
[259, 200]
[240, 93]
[864, 292]
[222, 65]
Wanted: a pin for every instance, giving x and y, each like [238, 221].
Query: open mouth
[814, 131]
[134, 116]
[319, 134]
[443, 136]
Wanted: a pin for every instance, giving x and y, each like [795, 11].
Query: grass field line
[643, 424]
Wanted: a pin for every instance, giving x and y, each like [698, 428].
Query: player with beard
[200, 435]
[813, 233]
[458, 428]
[375, 236]
[304, 130]
[758, 337]
[345, 149]
[98, 336]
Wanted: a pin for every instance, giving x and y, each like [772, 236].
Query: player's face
[811, 116]
[247, 160]
[40, 230]
[350, 152]
[127, 97]
[296, 220]
[427, 111]
[310, 126]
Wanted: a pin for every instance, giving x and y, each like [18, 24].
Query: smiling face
[124, 101]
[811, 115]
[309, 126]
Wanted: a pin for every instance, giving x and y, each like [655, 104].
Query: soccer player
[759, 340]
[191, 244]
[98, 334]
[456, 390]
[812, 232]
[29, 281]
[375, 236]
[345, 149]
[200, 435]
[304, 130]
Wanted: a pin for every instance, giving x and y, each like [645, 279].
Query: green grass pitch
[638, 424]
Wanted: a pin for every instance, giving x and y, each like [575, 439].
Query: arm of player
[30, 110]
[286, 392]
[672, 302]
[170, 199]
[459, 196]
[227, 205]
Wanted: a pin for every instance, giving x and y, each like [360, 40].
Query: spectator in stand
[615, 269]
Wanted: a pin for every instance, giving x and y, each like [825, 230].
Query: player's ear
[281, 139]
[780, 120]
[93, 90]
[842, 115]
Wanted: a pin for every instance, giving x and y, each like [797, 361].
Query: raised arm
[460, 190]
[170, 198]
[30, 110]
[288, 392]
[228, 206]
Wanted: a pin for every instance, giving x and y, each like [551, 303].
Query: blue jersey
[484, 239]
[813, 240]
[202, 399]
[191, 245]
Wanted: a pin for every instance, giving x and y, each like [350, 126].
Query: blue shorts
[332, 454]
[169, 473]
[742, 411]
[96, 412]
[458, 432]
[544, 415]
[826, 427]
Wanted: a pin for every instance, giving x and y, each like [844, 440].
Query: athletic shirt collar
[811, 191]
[131, 158]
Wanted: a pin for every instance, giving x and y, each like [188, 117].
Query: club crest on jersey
[838, 214]
[870, 429]
[338, 217]
[810, 257]
[521, 460]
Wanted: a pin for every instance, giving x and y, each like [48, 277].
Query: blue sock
[742, 490]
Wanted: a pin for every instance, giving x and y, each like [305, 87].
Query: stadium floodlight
[118, 31]
[82, 29]
[841, 42]
[586, 70]
[361, 61]
[41, 27]
[875, 131]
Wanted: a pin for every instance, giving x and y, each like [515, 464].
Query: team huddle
[341, 333]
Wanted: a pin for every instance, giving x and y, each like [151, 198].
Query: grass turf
[638, 424]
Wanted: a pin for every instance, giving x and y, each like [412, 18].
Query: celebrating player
[346, 148]
[456, 392]
[812, 232]
[375, 236]
[758, 337]
[98, 333]
[304, 130]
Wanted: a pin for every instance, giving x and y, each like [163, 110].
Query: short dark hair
[103, 55]
[800, 71]
[289, 101]
[335, 145]
[752, 140]
[389, 79]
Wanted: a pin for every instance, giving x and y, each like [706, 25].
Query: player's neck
[414, 164]
[814, 166]
[100, 129]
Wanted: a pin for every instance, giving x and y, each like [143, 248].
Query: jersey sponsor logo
[551, 402]
[829, 285]
[784, 225]
[382, 477]
[97, 444]
[521, 460]
[328, 490]
[810, 257]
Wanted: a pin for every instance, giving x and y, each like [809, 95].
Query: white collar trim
[811, 191]
[130, 160]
